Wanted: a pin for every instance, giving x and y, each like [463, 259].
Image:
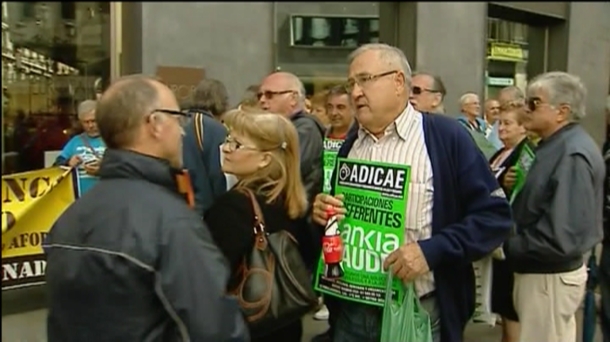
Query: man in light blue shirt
[470, 107]
[85, 150]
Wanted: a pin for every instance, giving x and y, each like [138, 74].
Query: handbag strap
[259, 219]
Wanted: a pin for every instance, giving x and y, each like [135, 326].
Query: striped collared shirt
[403, 143]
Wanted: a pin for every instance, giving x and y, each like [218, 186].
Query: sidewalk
[474, 332]
[24, 320]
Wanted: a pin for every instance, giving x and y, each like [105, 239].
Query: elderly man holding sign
[413, 193]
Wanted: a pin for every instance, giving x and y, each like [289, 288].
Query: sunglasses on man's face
[418, 90]
[268, 94]
[533, 103]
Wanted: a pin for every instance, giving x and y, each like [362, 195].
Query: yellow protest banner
[31, 203]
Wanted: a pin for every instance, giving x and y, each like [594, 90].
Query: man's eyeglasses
[268, 94]
[418, 90]
[363, 80]
[183, 117]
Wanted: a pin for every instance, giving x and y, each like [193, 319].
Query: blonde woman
[262, 152]
[514, 138]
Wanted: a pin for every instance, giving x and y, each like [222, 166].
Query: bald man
[130, 260]
[283, 93]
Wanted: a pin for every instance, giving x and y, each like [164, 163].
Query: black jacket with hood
[130, 261]
[311, 148]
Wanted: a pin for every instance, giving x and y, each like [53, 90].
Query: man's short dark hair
[437, 83]
[122, 108]
[211, 95]
[338, 90]
[250, 97]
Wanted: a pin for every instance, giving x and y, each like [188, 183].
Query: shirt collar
[400, 126]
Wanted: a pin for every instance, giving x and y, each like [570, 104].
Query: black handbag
[274, 287]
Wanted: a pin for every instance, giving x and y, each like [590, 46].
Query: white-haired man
[558, 212]
[85, 150]
[449, 211]
[470, 107]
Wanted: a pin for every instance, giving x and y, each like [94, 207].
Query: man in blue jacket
[456, 212]
[201, 144]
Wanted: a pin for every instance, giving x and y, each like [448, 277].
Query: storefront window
[507, 55]
[54, 55]
[314, 39]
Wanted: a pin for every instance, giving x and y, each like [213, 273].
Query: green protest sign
[524, 163]
[375, 197]
[331, 148]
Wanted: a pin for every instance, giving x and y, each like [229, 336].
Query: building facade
[478, 47]
[58, 54]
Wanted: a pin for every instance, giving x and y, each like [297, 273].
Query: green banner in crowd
[374, 226]
[524, 163]
[331, 148]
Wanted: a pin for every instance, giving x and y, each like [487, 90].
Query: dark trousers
[604, 273]
[290, 333]
[334, 306]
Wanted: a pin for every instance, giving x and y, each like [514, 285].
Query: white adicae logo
[344, 172]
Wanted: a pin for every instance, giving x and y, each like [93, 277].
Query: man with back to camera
[202, 139]
[85, 150]
[130, 260]
[454, 215]
[283, 93]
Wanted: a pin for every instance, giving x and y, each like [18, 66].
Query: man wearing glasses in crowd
[427, 93]
[283, 93]
[558, 212]
[131, 260]
[454, 215]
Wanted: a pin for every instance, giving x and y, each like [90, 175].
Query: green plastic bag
[407, 321]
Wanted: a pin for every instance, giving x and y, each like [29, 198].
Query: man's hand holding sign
[408, 261]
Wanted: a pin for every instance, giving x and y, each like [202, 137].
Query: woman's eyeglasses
[234, 145]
